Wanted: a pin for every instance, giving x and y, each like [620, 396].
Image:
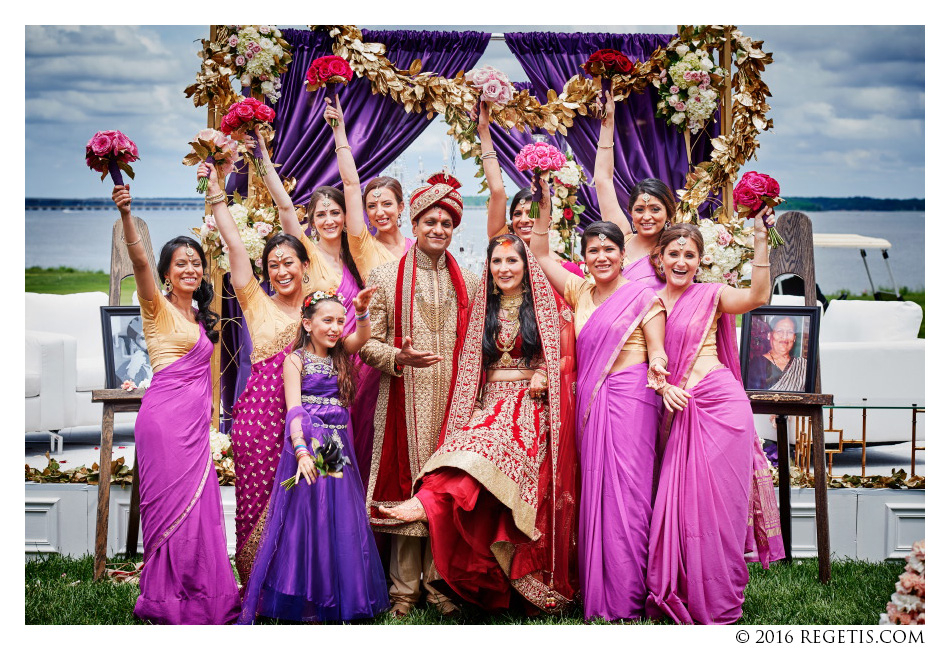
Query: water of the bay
[83, 240]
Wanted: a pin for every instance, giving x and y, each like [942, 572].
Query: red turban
[441, 191]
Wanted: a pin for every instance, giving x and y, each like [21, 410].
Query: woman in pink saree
[651, 207]
[714, 500]
[619, 326]
[186, 578]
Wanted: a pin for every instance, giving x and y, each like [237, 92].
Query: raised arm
[497, 199]
[541, 246]
[141, 269]
[241, 273]
[604, 170]
[292, 369]
[352, 195]
[285, 207]
[739, 301]
[355, 341]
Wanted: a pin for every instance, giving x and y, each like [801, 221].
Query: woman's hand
[610, 106]
[361, 301]
[657, 374]
[538, 388]
[674, 398]
[306, 468]
[206, 170]
[123, 199]
[764, 219]
[332, 112]
[545, 192]
[483, 121]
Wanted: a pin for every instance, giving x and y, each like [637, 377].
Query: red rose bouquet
[538, 157]
[214, 148]
[328, 70]
[242, 117]
[607, 63]
[108, 152]
[751, 192]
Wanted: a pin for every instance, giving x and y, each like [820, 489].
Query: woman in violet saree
[317, 559]
[382, 199]
[500, 491]
[619, 325]
[652, 206]
[295, 266]
[714, 501]
[186, 577]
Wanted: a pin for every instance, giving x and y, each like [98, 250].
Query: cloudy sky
[848, 106]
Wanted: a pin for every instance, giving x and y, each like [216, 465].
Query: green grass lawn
[61, 591]
[64, 279]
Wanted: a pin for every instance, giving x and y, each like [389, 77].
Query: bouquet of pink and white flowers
[907, 603]
[260, 54]
[494, 85]
[688, 88]
[108, 152]
[214, 148]
[326, 71]
[539, 158]
[727, 255]
[256, 225]
[242, 117]
[751, 192]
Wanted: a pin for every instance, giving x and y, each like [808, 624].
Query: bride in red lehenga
[500, 491]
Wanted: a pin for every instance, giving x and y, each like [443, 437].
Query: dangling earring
[399, 221]
[623, 263]
[494, 288]
[167, 286]
[306, 278]
[666, 226]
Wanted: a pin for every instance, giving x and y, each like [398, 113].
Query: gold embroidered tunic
[433, 329]
[168, 334]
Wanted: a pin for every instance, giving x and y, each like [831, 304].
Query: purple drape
[644, 145]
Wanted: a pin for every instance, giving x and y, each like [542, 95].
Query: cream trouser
[410, 567]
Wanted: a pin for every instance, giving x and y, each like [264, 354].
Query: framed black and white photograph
[123, 346]
[779, 349]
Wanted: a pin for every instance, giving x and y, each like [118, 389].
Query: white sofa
[48, 378]
[74, 319]
[870, 349]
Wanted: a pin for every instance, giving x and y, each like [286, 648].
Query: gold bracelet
[605, 146]
[490, 154]
[764, 266]
[345, 146]
[215, 198]
[540, 234]
[220, 199]
[122, 236]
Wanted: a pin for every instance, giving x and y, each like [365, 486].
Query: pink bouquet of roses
[493, 84]
[539, 158]
[751, 192]
[328, 70]
[110, 151]
[214, 148]
[242, 117]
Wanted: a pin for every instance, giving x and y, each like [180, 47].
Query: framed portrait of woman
[123, 346]
[779, 349]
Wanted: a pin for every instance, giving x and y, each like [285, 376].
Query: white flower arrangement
[688, 88]
[220, 444]
[258, 54]
[907, 604]
[727, 252]
[256, 226]
[565, 210]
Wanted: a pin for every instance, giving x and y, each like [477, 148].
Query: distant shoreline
[804, 204]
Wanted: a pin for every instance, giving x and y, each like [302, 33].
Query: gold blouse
[708, 348]
[323, 277]
[579, 295]
[168, 334]
[271, 329]
[368, 252]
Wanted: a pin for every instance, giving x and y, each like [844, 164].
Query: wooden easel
[118, 401]
[798, 257]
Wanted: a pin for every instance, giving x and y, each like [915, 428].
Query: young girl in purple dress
[317, 560]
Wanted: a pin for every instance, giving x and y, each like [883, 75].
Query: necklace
[506, 347]
[318, 364]
[510, 305]
[607, 296]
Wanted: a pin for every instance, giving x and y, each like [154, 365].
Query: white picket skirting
[865, 524]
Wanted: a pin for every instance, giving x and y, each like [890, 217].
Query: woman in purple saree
[714, 501]
[295, 266]
[651, 207]
[186, 577]
[619, 327]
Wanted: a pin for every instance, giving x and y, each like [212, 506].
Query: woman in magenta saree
[715, 501]
[619, 328]
[186, 576]
[652, 206]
